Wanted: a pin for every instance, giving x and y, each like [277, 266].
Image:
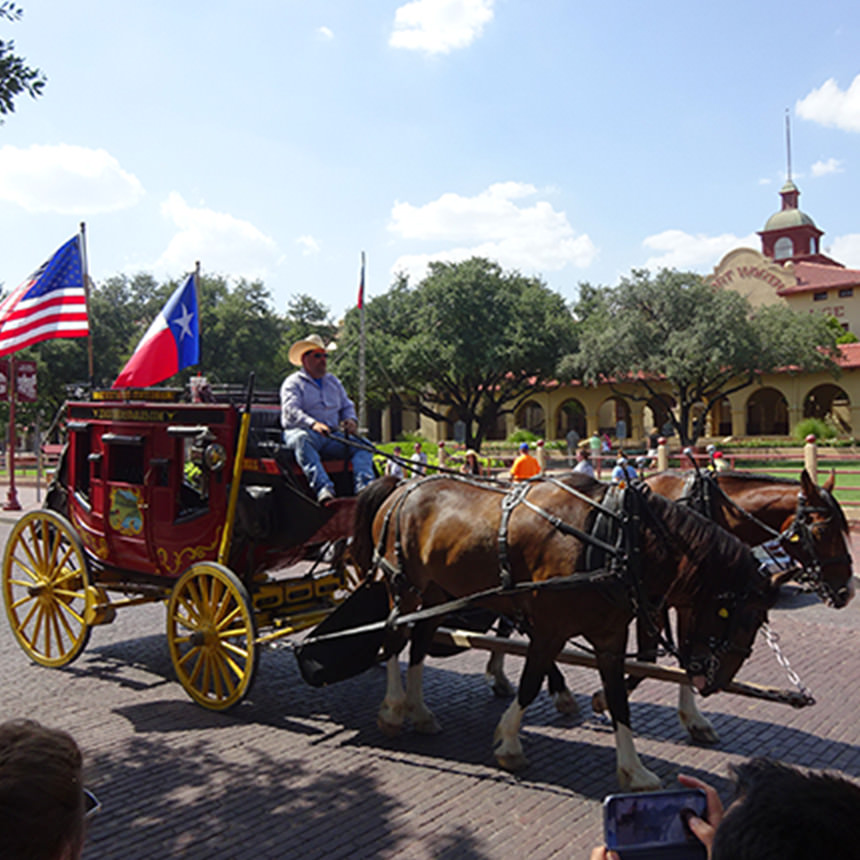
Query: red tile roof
[818, 276]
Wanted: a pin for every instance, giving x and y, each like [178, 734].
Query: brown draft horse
[523, 552]
[802, 519]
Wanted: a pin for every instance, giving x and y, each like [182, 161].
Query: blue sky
[278, 139]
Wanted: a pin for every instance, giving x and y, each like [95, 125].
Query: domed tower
[791, 234]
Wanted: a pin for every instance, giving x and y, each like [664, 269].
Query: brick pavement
[302, 772]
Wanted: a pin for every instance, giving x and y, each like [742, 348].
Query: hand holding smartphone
[651, 825]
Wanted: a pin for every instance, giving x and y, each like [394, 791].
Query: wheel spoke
[34, 561]
[22, 624]
[225, 667]
[237, 610]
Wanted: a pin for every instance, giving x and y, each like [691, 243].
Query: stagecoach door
[127, 498]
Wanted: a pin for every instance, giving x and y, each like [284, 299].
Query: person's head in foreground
[42, 805]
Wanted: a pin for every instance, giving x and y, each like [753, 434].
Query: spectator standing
[394, 467]
[572, 439]
[419, 461]
[595, 447]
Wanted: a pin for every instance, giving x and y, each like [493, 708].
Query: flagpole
[86, 276]
[12, 503]
[362, 381]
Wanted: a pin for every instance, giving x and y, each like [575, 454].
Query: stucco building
[788, 268]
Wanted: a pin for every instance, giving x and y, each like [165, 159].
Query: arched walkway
[767, 413]
[830, 403]
[570, 416]
[530, 416]
[614, 418]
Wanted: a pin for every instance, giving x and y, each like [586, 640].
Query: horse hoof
[501, 687]
[390, 730]
[427, 726]
[565, 703]
[642, 780]
[512, 762]
[705, 735]
[598, 702]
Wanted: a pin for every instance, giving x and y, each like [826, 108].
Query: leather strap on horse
[509, 502]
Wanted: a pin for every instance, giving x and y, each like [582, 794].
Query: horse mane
[367, 503]
[714, 557]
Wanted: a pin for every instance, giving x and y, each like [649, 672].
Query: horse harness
[614, 533]
[703, 493]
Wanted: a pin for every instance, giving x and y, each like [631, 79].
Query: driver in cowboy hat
[317, 415]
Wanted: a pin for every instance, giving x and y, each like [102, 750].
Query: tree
[675, 332]
[15, 76]
[470, 342]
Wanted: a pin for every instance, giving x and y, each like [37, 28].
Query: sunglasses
[319, 355]
[91, 804]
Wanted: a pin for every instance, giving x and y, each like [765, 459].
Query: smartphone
[650, 825]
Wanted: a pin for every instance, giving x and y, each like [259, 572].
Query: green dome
[789, 218]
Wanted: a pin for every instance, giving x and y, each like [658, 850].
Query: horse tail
[367, 503]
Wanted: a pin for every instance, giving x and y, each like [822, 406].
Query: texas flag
[171, 342]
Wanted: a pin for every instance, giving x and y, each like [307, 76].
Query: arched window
[783, 249]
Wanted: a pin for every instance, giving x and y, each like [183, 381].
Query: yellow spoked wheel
[211, 631]
[45, 583]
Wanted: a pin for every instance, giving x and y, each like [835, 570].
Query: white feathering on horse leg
[421, 716]
[507, 746]
[632, 774]
[392, 711]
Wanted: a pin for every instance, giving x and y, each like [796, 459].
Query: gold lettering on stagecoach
[115, 414]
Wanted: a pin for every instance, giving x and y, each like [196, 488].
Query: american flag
[50, 303]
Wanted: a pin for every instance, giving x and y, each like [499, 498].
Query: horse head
[815, 536]
[716, 633]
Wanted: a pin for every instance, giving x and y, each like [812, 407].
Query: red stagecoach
[195, 504]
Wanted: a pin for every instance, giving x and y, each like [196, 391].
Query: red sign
[25, 381]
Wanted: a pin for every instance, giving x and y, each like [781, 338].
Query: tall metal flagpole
[362, 381]
[86, 277]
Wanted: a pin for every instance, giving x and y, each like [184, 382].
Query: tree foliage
[673, 330]
[470, 342]
[16, 76]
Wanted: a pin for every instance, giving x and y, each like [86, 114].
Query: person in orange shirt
[525, 466]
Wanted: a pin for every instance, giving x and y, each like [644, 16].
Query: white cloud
[439, 26]
[846, 249]
[680, 250]
[220, 242]
[822, 168]
[325, 32]
[493, 224]
[70, 180]
[830, 106]
[309, 245]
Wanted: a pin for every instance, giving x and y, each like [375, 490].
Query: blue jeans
[311, 448]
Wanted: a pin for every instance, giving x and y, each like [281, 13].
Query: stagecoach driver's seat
[319, 420]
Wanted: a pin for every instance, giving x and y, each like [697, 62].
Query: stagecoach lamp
[215, 456]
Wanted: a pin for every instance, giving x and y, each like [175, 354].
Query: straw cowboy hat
[300, 347]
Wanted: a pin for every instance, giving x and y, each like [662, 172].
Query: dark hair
[41, 792]
[782, 813]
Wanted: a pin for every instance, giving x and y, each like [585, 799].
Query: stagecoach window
[81, 445]
[125, 463]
